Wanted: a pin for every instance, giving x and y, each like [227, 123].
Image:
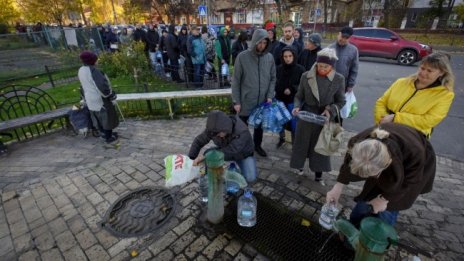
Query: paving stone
[70, 190]
[15, 216]
[11, 205]
[242, 257]
[44, 202]
[86, 239]
[216, 246]
[260, 257]
[6, 245]
[142, 256]
[124, 177]
[93, 180]
[74, 254]
[44, 241]
[64, 181]
[68, 212]
[27, 202]
[4, 229]
[19, 228]
[111, 197]
[180, 258]
[50, 213]
[8, 195]
[65, 241]
[121, 246]
[32, 255]
[61, 201]
[249, 250]
[181, 243]
[233, 247]
[39, 192]
[87, 189]
[185, 225]
[52, 254]
[197, 246]
[105, 238]
[162, 243]
[165, 255]
[102, 188]
[97, 252]
[122, 256]
[95, 198]
[57, 226]
[133, 185]
[22, 243]
[86, 210]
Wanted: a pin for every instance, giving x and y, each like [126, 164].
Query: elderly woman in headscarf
[321, 91]
[99, 97]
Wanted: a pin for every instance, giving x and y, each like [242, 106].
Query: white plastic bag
[351, 106]
[225, 69]
[179, 170]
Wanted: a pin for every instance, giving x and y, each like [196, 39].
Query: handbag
[330, 138]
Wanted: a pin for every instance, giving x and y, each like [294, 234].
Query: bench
[168, 96]
[28, 111]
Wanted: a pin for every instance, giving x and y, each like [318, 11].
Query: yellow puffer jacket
[421, 109]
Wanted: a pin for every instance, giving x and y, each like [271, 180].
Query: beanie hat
[315, 38]
[88, 58]
[328, 56]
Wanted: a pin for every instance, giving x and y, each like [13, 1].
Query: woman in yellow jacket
[421, 100]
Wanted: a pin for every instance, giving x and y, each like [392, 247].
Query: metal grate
[139, 212]
[279, 234]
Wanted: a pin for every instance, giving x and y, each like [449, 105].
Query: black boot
[280, 143]
[260, 151]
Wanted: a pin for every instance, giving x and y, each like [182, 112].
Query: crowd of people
[394, 157]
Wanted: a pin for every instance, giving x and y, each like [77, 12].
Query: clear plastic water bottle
[328, 214]
[246, 209]
[232, 187]
[203, 183]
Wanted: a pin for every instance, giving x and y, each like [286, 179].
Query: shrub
[3, 28]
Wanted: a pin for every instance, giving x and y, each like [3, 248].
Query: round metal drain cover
[139, 212]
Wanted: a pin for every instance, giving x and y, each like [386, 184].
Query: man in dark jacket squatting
[232, 137]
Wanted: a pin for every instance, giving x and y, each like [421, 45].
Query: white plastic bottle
[246, 209]
[203, 183]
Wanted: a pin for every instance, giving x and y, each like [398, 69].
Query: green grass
[15, 43]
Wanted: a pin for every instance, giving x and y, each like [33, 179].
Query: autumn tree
[52, 11]
[133, 10]
[8, 13]
[460, 12]
[173, 8]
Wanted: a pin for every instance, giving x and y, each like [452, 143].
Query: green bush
[125, 61]
[3, 28]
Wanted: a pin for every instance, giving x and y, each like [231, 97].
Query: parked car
[384, 43]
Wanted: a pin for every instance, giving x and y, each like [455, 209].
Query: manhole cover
[279, 234]
[139, 212]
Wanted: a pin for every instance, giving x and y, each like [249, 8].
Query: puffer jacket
[237, 144]
[421, 109]
[197, 49]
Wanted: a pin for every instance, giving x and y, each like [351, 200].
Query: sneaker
[260, 151]
[280, 143]
[111, 140]
[321, 181]
[299, 172]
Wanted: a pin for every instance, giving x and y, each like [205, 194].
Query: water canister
[246, 209]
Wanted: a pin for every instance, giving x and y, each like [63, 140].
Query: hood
[172, 29]
[219, 121]
[221, 32]
[300, 40]
[294, 52]
[183, 28]
[275, 34]
[259, 35]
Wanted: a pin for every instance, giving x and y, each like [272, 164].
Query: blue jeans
[248, 168]
[152, 56]
[198, 74]
[362, 210]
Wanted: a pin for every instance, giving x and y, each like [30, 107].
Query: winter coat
[348, 62]
[237, 48]
[153, 39]
[307, 58]
[421, 109]
[183, 41]
[140, 35]
[300, 40]
[98, 96]
[237, 144]
[288, 76]
[210, 49]
[281, 45]
[254, 76]
[197, 49]
[170, 44]
[314, 94]
[223, 47]
[410, 173]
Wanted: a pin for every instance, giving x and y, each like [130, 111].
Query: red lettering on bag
[178, 162]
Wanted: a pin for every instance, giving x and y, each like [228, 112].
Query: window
[384, 34]
[241, 16]
[414, 17]
[364, 33]
[296, 17]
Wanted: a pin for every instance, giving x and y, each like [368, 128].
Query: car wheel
[407, 57]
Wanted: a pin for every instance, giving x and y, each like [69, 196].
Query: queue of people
[395, 157]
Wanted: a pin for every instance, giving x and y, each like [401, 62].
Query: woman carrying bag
[321, 91]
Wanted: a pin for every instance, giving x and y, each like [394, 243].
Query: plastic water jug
[232, 187]
[328, 215]
[246, 209]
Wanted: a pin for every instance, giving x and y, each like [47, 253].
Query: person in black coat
[308, 56]
[288, 79]
[273, 41]
[286, 40]
[171, 45]
[239, 45]
[183, 43]
[153, 39]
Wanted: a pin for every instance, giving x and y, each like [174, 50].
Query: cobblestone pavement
[56, 189]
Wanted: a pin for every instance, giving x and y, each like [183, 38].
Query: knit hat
[327, 56]
[347, 31]
[315, 38]
[88, 58]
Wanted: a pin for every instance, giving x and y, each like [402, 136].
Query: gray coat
[348, 62]
[237, 144]
[314, 94]
[254, 76]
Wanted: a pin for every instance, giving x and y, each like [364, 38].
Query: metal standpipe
[215, 170]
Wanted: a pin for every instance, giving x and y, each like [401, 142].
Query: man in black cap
[308, 56]
[348, 57]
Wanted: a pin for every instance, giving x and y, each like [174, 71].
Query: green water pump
[371, 241]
